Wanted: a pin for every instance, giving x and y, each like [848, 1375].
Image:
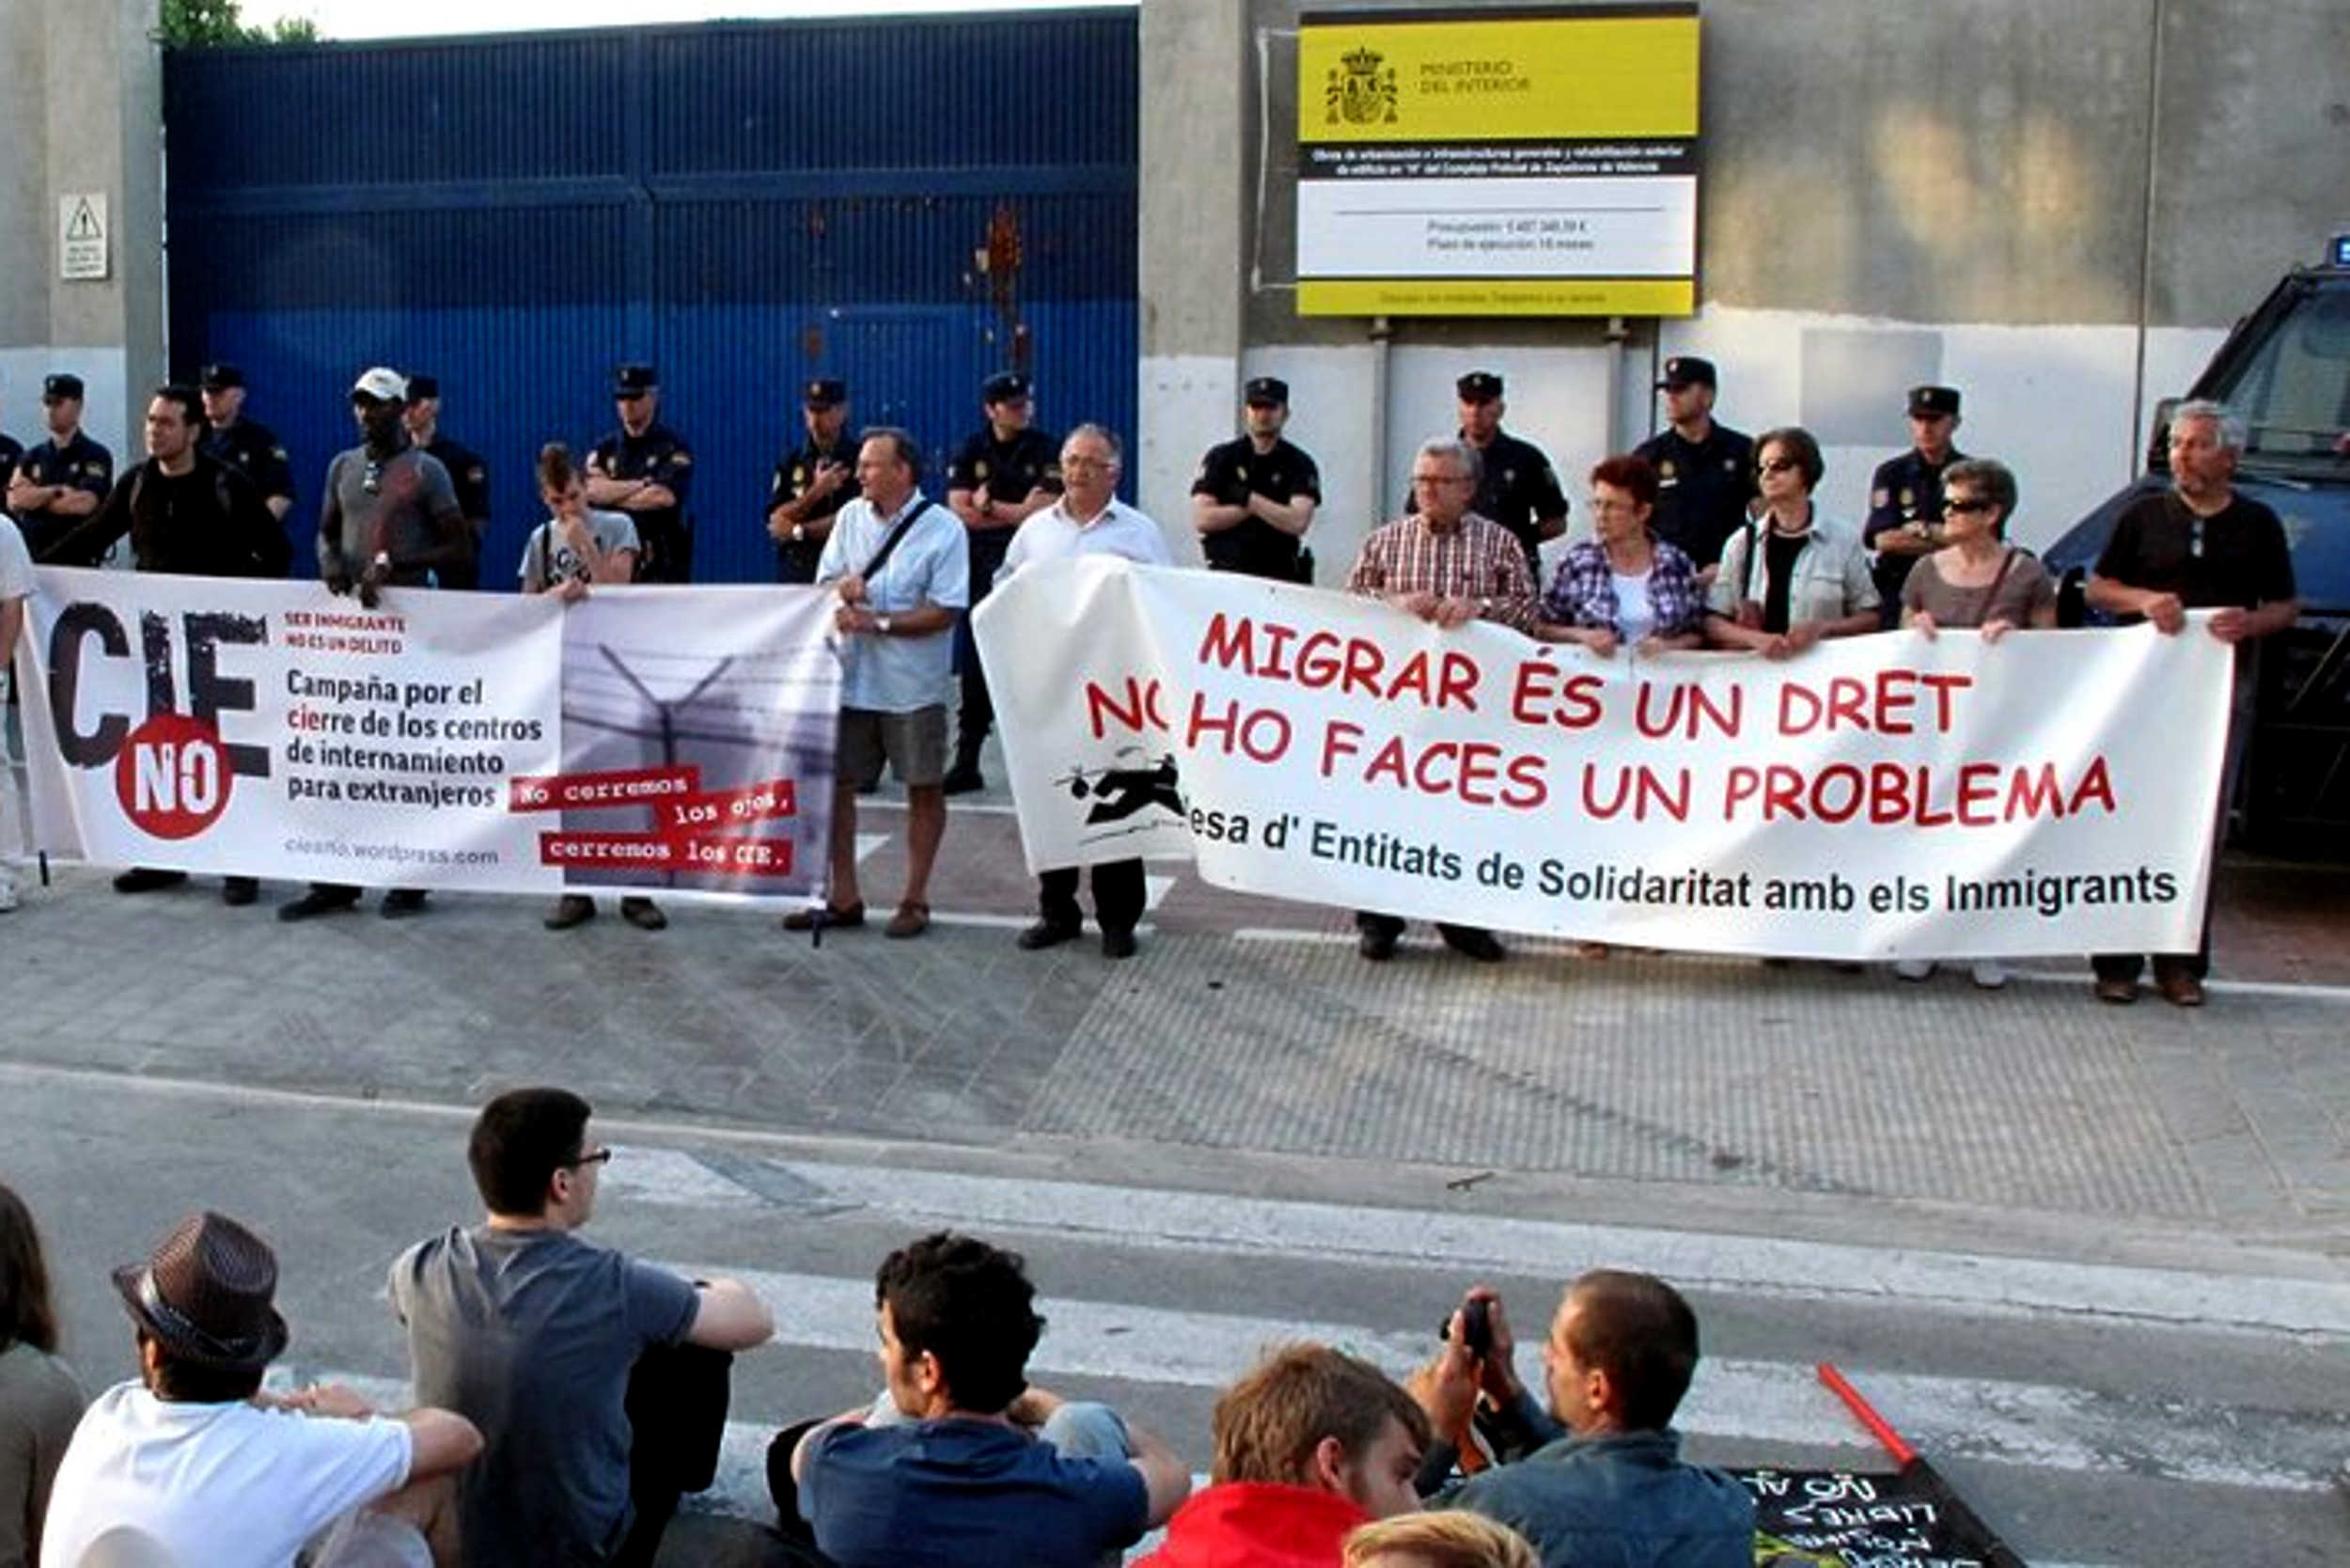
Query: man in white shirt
[16, 586]
[195, 1459]
[901, 569]
[1087, 519]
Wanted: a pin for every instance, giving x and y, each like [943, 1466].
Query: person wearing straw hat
[193, 1458]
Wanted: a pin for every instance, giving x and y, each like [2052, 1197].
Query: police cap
[1267, 390]
[1003, 386]
[1478, 387]
[57, 389]
[219, 376]
[826, 392]
[1933, 402]
[1687, 369]
[634, 381]
[421, 387]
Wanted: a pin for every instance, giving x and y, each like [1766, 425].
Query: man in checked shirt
[1447, 565]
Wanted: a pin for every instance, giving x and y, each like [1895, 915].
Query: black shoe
[401, 902]
[147, 879]
[644, 914]
[318, 900]
[963, 780]
[238, 891]
[1047, 933]
[572, 909]
[1117, 944]
[1376, 945]
[1479, 945]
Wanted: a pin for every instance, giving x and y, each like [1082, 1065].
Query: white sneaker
[1914, 968]
[7, 893]
[1988, 973]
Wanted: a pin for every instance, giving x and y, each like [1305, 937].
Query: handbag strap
[890, 545]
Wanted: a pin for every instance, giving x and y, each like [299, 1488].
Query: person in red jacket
[1310, 1445]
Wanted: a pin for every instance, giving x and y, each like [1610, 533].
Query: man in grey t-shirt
[533, 1333]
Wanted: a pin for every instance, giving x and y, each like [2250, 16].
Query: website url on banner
[400, 855]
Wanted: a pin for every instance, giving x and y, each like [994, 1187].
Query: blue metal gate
[909, 204]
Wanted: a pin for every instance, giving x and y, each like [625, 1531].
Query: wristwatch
[881, 624]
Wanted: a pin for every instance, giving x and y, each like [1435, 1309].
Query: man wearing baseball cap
[1704, 470]
[1516, 486]
[245, 445]
[194, 1461]
[60, 483]
[1905, 495]
[645, 469]
[1005, 472]
[1254, 497]
[812, 482]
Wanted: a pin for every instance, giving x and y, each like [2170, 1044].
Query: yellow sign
[1498, 163]
[1491, 77]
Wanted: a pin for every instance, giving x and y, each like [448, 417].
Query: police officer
[1254, 497]
[11, 453]
[1519, 489]
[1905, 496]
[644, 469]
[244, 445]
[1005, 471]
[467, 471]
[61, 482]
[1704, 470]
[813, 481]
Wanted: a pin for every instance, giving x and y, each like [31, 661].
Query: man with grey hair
[1087, 519]
[1448, 566]
[2196, 545]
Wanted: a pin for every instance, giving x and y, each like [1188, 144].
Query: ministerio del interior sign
[1497, 163]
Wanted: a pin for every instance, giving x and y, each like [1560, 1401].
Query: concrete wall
[2058, 208]
[84, 114]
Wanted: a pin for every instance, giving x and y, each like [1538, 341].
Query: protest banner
[1874, 797]
[640, 738]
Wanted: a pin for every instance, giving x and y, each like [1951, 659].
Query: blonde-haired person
[1449, 1539]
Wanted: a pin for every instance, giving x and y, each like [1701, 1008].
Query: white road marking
[1470, 1245]
[868, 842]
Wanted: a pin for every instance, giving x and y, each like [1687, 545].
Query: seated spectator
[1612, 1491]
[1308, 1446]
[962, 1464]
[39, 1398]
[1443, 1540]
[1975, 581]
[191, 1463]
[559, 1350]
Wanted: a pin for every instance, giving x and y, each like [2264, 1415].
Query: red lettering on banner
[1690, 710]
[1644, 787]
[172, 777]
[1471, 771]
[1538, 696]
[657, 852]
[1974, 795]
[1139, 710]
[565, 792]
[1261, 734]
[1354, 666]
[753, 803]
[1880, 704]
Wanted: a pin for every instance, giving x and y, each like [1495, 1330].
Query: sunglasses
[1966, 503]
[1780, 465]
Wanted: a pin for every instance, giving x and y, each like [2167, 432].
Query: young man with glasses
[536, 1337]
[389, 519]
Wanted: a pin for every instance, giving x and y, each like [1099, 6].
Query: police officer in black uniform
[1519, 489]
[244, 445]
[60, 483]
[645, 469]
[1254, 497]
[1704, 470]
[813, 481]
[1905, 495]
[467, 472]
[1007, 470]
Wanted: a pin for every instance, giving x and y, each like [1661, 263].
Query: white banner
[640, 738]
[1876, 797]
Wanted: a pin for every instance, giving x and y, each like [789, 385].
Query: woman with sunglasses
[1975, 581]
[39, 1400]
[1792, 577]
